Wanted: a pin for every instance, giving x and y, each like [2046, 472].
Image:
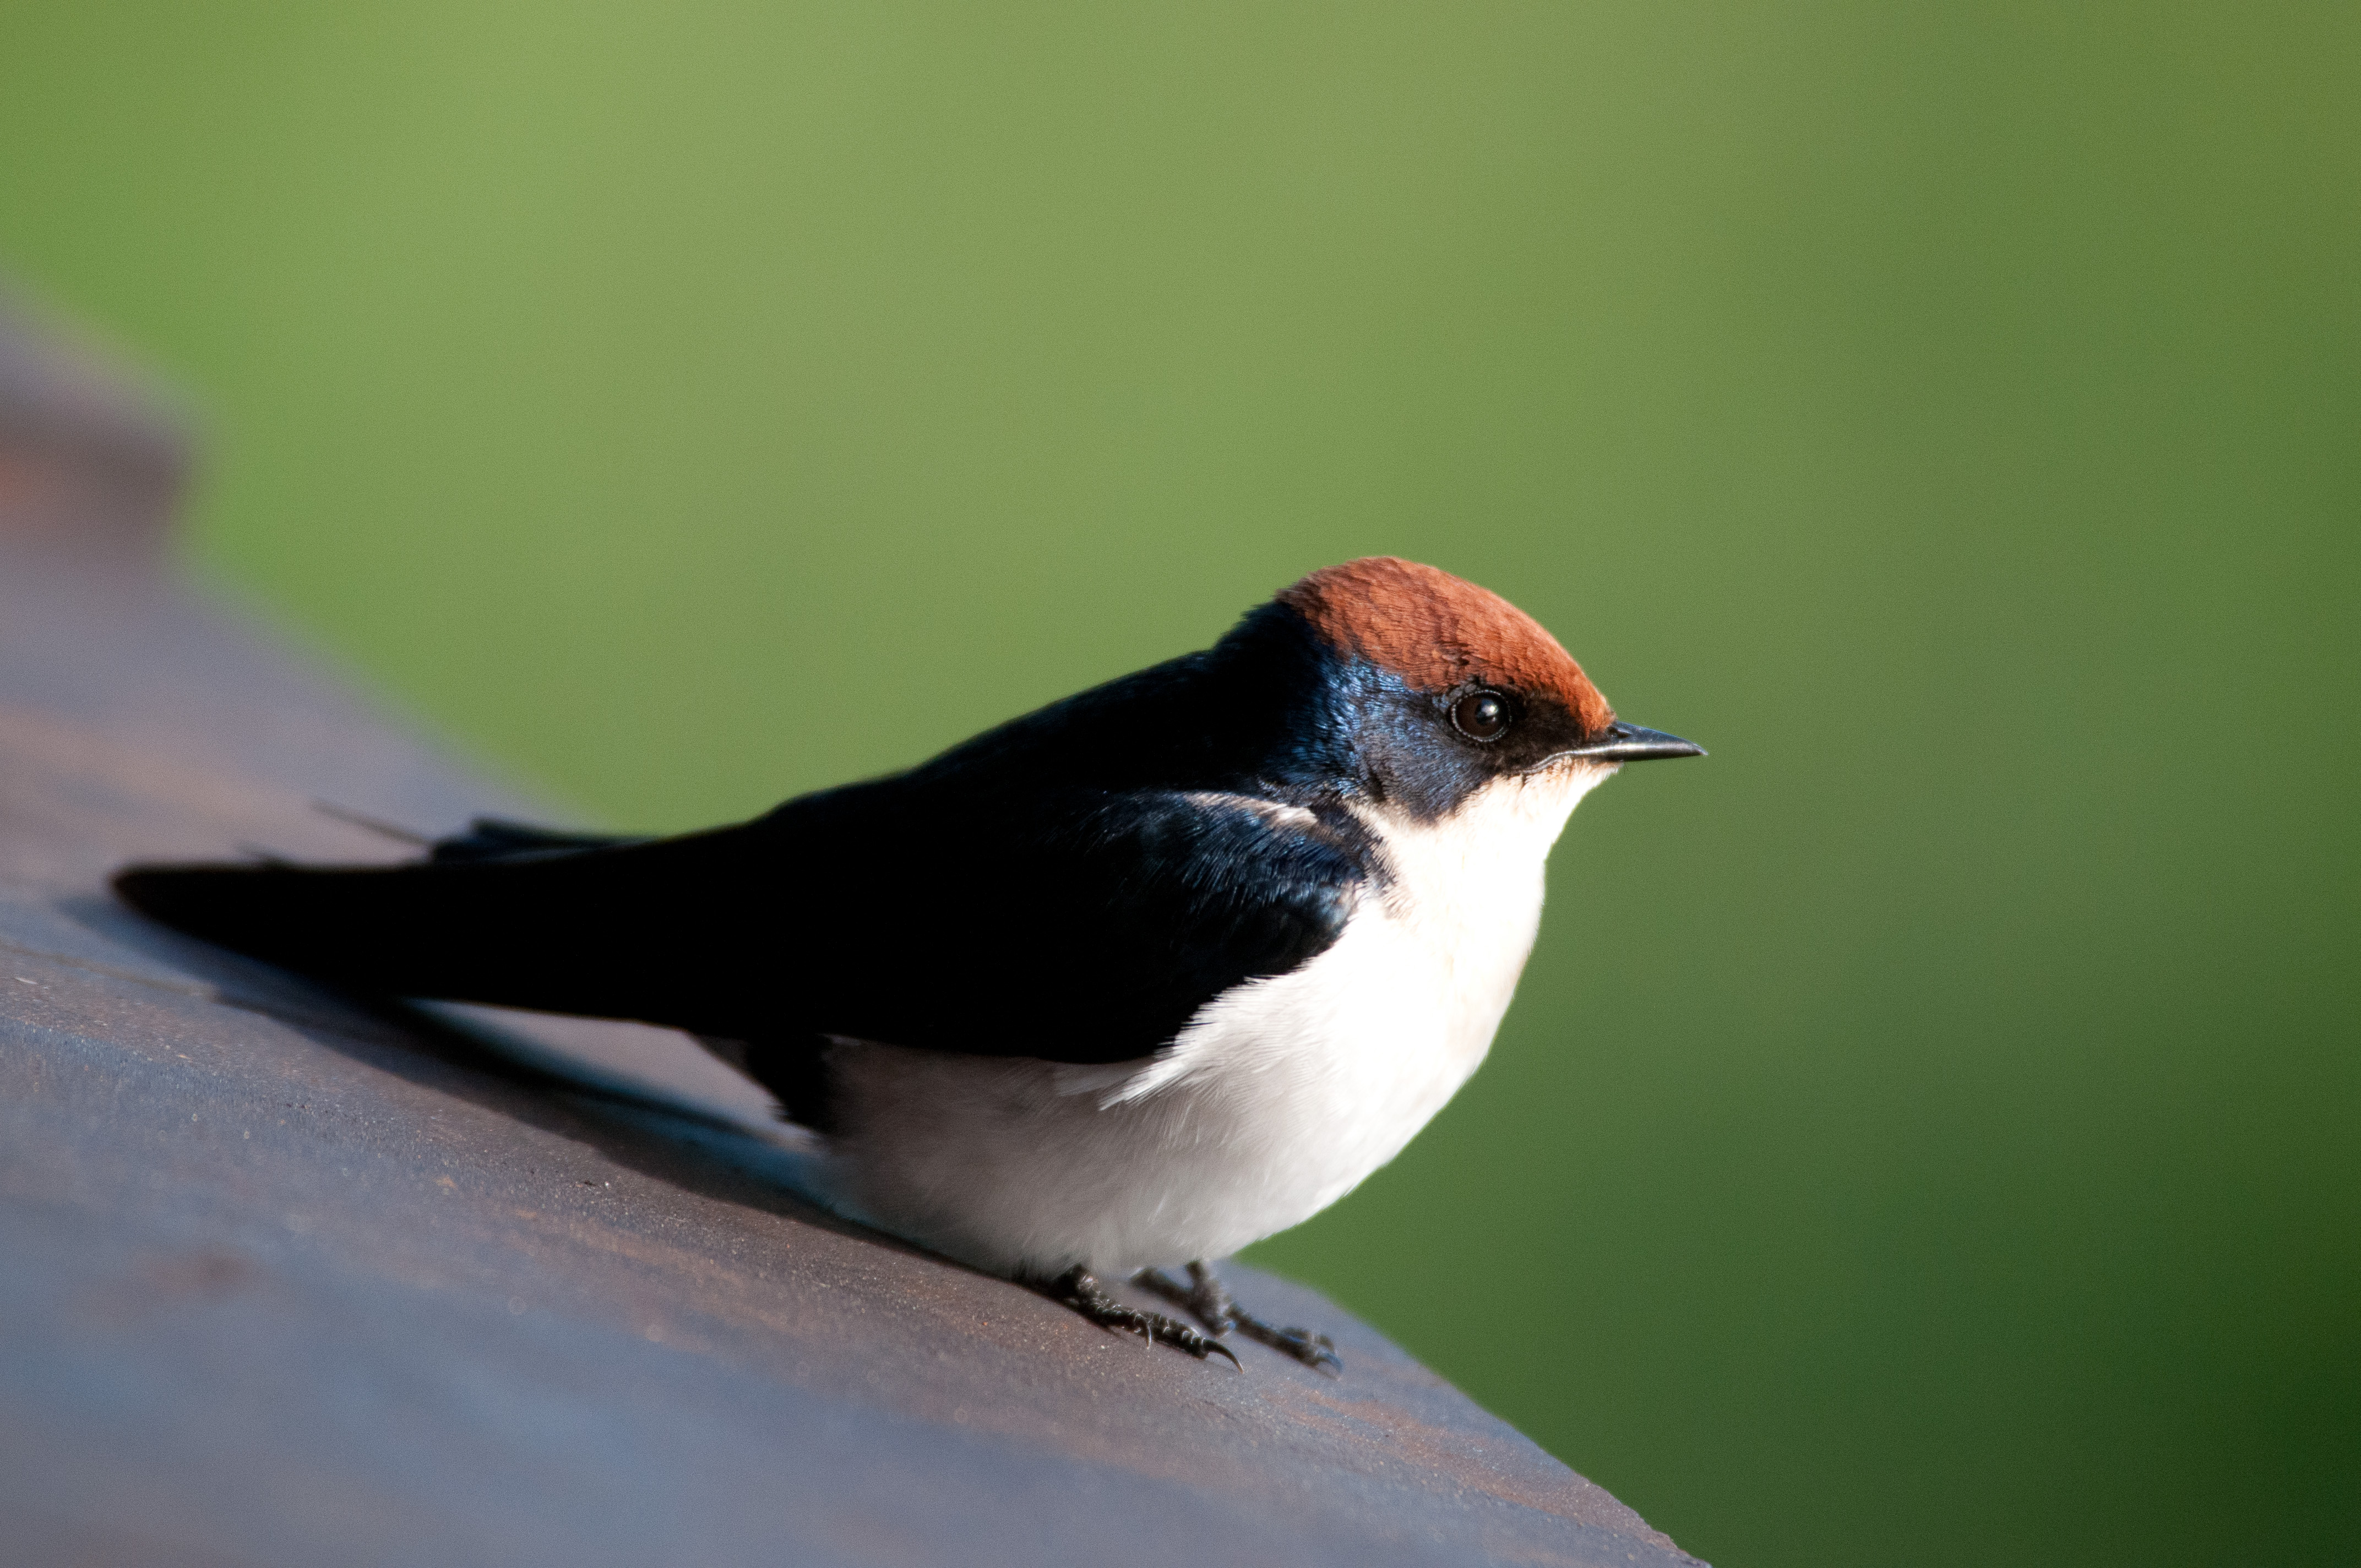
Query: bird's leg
[1210, 1302]
[1206, 1298]
[1080, 1289]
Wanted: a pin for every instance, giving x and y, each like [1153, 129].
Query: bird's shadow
[492, 1058]
[739, 1154]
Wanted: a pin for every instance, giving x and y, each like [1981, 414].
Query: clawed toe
[1080, 1290]
[1206, 1348]
[1209, 1300]
[1315, 1351]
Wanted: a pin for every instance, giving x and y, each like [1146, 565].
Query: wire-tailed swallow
[1126, 983]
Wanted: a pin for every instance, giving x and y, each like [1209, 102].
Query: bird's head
[1441, 689]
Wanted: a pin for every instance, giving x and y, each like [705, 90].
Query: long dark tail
[621, 929]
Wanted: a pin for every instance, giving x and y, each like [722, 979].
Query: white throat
[1467, 892]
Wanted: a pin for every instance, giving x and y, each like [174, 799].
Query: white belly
[1275, 1101]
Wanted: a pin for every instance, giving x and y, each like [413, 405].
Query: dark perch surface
[286, 1280]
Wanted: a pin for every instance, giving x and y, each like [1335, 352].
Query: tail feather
[499, 838]
[626, 930]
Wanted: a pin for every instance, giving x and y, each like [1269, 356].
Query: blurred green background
[1927, 1133]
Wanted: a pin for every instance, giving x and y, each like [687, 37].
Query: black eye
[1481, 715]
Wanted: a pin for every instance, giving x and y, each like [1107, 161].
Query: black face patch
[1415, 750]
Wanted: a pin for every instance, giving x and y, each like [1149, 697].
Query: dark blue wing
[1097, 936]
[1082, 928]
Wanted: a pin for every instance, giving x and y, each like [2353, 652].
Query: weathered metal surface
[286, 1279]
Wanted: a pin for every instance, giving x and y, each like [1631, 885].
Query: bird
[1116, 988]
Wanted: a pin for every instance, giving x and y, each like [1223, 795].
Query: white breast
[1279, 1098]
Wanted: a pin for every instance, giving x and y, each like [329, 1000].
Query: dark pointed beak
[1630, 743]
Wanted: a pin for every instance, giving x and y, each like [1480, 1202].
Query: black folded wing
[1084, 928]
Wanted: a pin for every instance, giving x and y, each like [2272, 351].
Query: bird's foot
[1210, 1302]
[1080, 1289]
